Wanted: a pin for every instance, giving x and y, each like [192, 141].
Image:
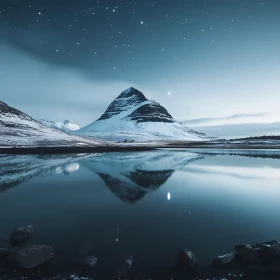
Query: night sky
[210, 63]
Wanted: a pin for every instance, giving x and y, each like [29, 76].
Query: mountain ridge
[18, 129]
[66, 126]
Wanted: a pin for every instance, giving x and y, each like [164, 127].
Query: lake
[149, 205]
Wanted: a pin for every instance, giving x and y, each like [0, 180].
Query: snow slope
[66, 126]
[131, 116]
[20, 130]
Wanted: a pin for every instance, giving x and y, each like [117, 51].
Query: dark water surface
[148, 204]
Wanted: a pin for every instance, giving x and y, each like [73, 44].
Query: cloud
[241, 130]
[46, 91]
[202, 121]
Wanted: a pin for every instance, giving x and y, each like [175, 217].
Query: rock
[224, 259]
[246, 253]
[272, 242]
[89, 262]
[186, 259]
[21, 235]
[122, 266]
[31, 256]
[253, 273]
[77, 277]
[269, 251]
[4, 252]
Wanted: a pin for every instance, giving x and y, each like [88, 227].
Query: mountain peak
[66, 126]
[130, 92]
[131, 116]
[2, 104]
[128, 99]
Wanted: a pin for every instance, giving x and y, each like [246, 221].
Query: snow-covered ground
[66, 126]
[17, 129]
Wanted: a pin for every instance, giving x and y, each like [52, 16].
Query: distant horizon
[212, 129]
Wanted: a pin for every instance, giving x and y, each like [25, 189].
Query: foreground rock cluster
[247, 262]
[26, 256]
[261, 261]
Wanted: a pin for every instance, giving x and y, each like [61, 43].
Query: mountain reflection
[144, 181]
[130, 176]
[16, 169]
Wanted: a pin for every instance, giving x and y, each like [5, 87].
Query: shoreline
[133, 148]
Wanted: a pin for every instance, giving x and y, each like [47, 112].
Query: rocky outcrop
[31, 256]
[21, 235]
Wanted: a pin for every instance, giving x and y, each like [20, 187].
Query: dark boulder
[21, 235]
[254, 273]
[269, 251]
[186, 259]
[272, 242]
[31, 256]
[89, 262]
[4, 253]
[122, 266]
[246, 253]
[224, 259]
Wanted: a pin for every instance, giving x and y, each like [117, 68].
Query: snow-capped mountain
[131, 116]
[66, 126]
[18, 129]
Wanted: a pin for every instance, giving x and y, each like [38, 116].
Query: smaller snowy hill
[18, 129]
[132, 117]
[66, 126]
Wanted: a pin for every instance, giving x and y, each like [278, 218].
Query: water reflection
[207, 201]
[130, 176]
[15, 170]
[168, 196]
[68, 168]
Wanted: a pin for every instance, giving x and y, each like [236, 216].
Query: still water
[147, 204]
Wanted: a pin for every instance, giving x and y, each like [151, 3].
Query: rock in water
[89, 262]
[4, 252]
[122, 266]
[246, 253]
[187, 259]
[269, 251]
[224, 259]
[272, 242]
[31, 256]
[21, 235]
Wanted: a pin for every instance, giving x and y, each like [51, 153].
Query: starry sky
[214, 64]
